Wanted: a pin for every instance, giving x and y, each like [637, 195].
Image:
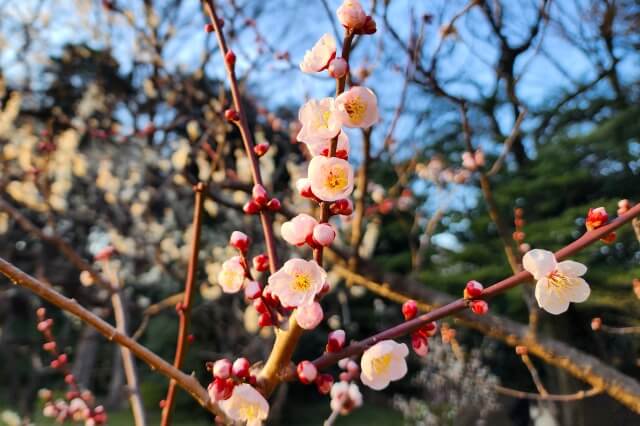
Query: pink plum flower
[331, 178]
[246, 404]
[297, 282]
[345, 397]
[357, 107]
[383, 363]
[351, 14]
[558, 283]
[232, 275]
[324, 234]
[320, 121]
[318, 58]
[309, 316]
[297, 230]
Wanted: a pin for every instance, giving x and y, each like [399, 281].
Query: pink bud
[309, 316]
[261, 262]
[44, 325]
[343, 207]
[260, 195]
[338, 68]
[251, 207]
[49, 346]
[307, 372]
[303, 186]
[324, 234]
[324, 383]
[69, 379]
[240, 367]
[209, 28]
[231, 115]
[474, 289]
[252, 290]
[274, 205]
[420, 344]
[222, 368]
[409, 309]
[351, 14]
[479, 307]
[261, 149]
[336, 340]
[240, 241]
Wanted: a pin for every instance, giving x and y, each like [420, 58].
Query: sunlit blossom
[331, 178]
[297, 282]
[297, 230]
[246, 404]
[358, 107]
[320, 121]
[318, 58]
[383, 363]
[232, 275]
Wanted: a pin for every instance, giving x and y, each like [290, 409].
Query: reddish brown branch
[184, 311]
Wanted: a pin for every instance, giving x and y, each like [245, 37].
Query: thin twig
[548, 397]
[184, 312]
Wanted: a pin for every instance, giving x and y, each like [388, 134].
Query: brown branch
[186, 382]
[625, 390]
[155, 309]
[508, 143]
[548, 397]
[184, 312]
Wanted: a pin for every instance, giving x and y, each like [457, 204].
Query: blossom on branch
[297, 282]
[331, 178]
[383, 363]
[246, 404]
[558, 283]
[320, 121]
[317, 59]
[232, 275]
[351, 14]
[298, 230]
[358, 107]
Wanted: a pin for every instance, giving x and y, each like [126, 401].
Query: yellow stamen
[301, 282]
[322, 122]
[381, 364]
[336, 179]
[249, 411]
[356, 109]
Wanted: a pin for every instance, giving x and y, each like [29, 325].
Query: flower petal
[572, 268]
[579, 290]
[549, 299]
[539, 263]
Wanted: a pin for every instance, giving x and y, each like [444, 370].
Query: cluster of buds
[518, 233]
[473, 160]
[304, 229]
[472, 291]
[260, 200]
[597, 218]
[227, 375]
[420, 338]
[308, 373]
[77, 405]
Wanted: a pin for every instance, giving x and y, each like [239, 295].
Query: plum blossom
[351, 14]
[297, 230]
[232, 275]
[357, 107]
[558, 283]
[345, 397]
[322, 147]
[246, 404]
[331, 178]
[297, 282]
[318, 58]
[309, 316]
[383, 363]
[320, 121]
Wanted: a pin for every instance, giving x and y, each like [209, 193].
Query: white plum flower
[297, 282]
[357, 107]
[246, 404]
[558, 283]
[331, 178]
[383, 363]
[320, 121]
[317, 59]
[232, 275]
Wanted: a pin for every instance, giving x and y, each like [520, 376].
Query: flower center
[249, 411]
[381, 364]
[336, 179]
[301, 282]
[356, 109]
[558, 280]
[229, 277]
[322, 121]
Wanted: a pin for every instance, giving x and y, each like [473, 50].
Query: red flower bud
[274, 205]
[240, 241]
[307, 372]
[230, 58]
[479, 307]
[260, 195]
[221, 389]
[222, 368]
[596, 218]
[420, 344]
[209, 28]
[474, 289]
[265, 319]
[251, 207]
[336, 340]
[240, 367]
[409, 309]
[260, 306]
[261, 149]
[231, 114]
[261, 262]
